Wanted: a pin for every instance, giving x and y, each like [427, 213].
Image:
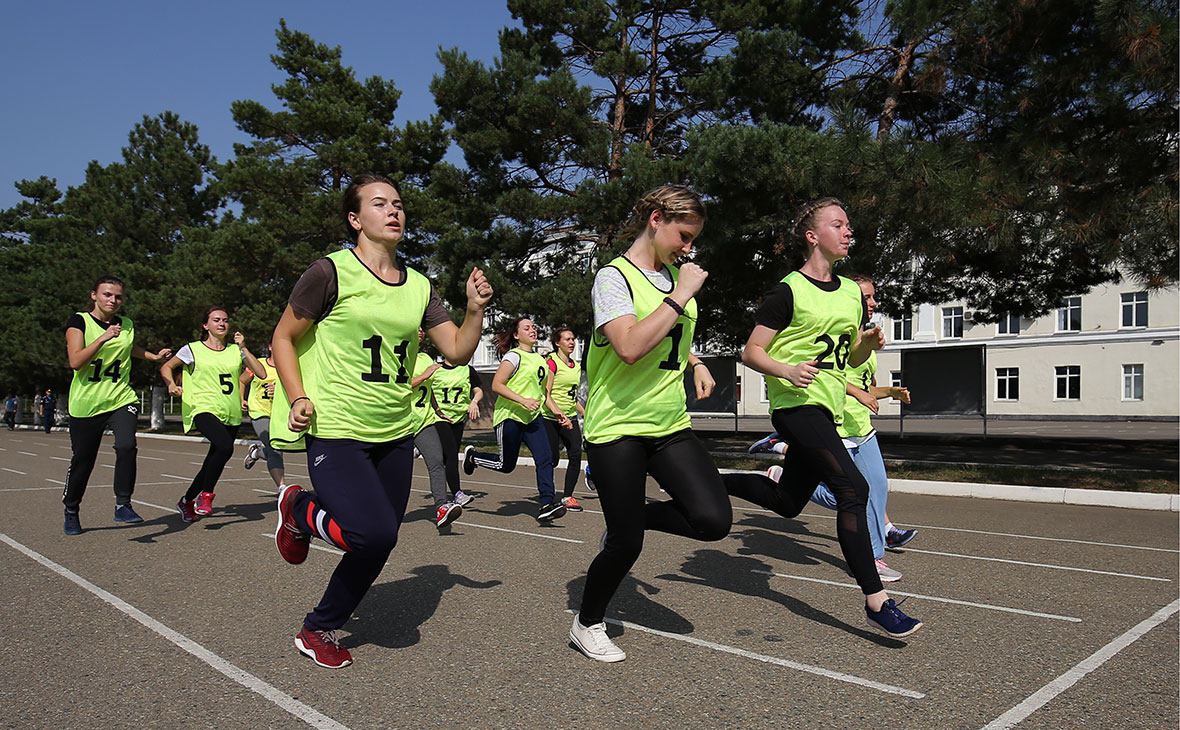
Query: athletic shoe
[447, 513]
[292, 542]
[764, 445]
[571, 504]
[72, 525]
[468, 460]
[185, 508]
[463, 498]
[891, 620]
[323, 647]
[252, 456]
[897, 538]
[204, 505]
[124, 513]
[774, 473]
[887, 574]
[594, 643]
[551, 511]
[589, 481]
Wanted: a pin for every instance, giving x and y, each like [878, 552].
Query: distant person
[48, 410]
[257, 405]
[100, 344]
[10, 406]
[565, 375]
[210, 401]
[457, 394]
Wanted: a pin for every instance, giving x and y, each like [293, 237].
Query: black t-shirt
[76, 322]
[778, 304]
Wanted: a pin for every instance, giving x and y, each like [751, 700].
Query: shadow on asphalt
[631, 602]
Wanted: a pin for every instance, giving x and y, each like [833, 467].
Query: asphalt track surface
[1037, 616]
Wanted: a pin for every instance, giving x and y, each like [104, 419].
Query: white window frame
[1010, 377]
[951, 315]
[1129, 303]
[1009, 324]
[1069, 315]
[900, 325]
[895, 379]
[1130, 376]
[1067, 376]
[765, 393]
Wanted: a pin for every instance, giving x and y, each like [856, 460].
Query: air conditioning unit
[968, 317]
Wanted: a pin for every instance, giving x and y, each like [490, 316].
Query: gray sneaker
[463, 498]
[887, 574]
[594, 643]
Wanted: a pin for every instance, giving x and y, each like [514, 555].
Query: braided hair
[673, 202]
[805, 219]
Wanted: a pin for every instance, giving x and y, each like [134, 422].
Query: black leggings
[816, 454]
[86, 437]
[698, 508]
[450, 435]
[572, 438]
[221, 448]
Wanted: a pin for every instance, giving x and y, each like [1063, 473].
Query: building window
[1069, 382]
[1007, 383]
[952, 321]
[1134, 309]
[1132, 382]
[1009, 324]
[903, 328]
[489, 353]
[1069, 315]
[895, 378]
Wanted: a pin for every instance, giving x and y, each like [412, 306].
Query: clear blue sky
[77, 76]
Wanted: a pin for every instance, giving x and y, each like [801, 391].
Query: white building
[1111, 353]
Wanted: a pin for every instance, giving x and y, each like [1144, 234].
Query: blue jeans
[510, 434]
[868, 460]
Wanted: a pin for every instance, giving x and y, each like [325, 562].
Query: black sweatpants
[572, 438]
[698, 508]
[221, 448]
[86, 437]
[816, 454]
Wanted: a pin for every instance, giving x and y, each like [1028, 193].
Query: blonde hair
[805, 220]
[673, 202]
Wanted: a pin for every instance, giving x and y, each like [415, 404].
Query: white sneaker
[887, 574]
[594, 643]
[774, 473]
[252, 455]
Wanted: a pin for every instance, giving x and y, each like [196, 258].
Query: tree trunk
[614, 170]
[893, 91]
[653, 75]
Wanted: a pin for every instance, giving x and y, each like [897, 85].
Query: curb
[1014, 493]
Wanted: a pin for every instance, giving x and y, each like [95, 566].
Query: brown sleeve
[315, 293]
[436, 313]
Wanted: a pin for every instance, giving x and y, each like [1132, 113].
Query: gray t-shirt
[611, 295]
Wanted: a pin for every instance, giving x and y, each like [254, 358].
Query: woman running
[806, 333]
[520, 384]
[636, 418]
[100, 344]
[210, 401]
[427, 441]
[457, 393]
[345, 348]
[565, 376]
[258, 406]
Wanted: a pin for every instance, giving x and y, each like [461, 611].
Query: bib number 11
[376, 374]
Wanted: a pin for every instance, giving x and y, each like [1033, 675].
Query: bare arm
[167, 371]
[81, 354]
[562, 419]
[290, 329]
[633, 338]
[755, 356]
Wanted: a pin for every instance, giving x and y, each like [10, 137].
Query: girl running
[210, 401]
[426, 439]
[565, 376]
[806, 333]
[100, 344]
[457, 393]
[345, 349]
[520, 383]
[258, 406]
[636, 418]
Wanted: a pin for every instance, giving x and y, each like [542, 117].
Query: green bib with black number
[451, 386]
[646, 398]
[424, 414]
[355, 363]
[260, 400]
[528, 382]
[210, 385]
[858, 418]
[823, 328]
[104, 384]
[565, 387]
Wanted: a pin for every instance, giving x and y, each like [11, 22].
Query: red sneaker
[204, 506]
[185, 508]
[323, 647]
[292, 542]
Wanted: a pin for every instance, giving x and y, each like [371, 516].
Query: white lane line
[991, 534]
[314, 546]
[14, 471]
[26, 453]
[939, 599]
[1050, 691]
[810, 669]
[268, 691]
[174, 476]
[502, 484]
[1041, 565]
[149, 458]
[33, 489]
[59, 458]
[107, 466]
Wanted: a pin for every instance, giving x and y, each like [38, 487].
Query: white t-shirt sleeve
[611, 297]
[514, 358]
[185, 355]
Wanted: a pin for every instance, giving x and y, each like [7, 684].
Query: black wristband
[302, 397]
[672, 303]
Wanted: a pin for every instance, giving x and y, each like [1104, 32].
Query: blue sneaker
[897, 538]
[589, 481]
[72, 526]
[124, 513]
[764, 445]
[891, 620]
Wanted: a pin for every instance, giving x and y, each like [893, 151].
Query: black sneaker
[72, 525]
[468, 461]
[891, 620]
[124, 513]
[897, 538]
[551, 511]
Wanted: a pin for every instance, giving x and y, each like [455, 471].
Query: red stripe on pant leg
[311, 517]
[336, 536]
